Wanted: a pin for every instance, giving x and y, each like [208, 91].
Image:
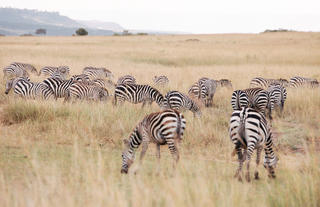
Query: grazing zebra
[161, 128]
[97, 73]
[50, 70]
[277, 95]
[194, 90]
[12, 71]
[207, 91]
[126, 79]
[161, 81]
[257, 98]
[297, 82]
[86, 91]
[25, 66]
[179, 101]
[26, 89]
[137, 94]
[249, 130]
[264, 83]
[224, 83]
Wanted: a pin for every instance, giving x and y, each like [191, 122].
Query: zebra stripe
[137, 94]
[26, 89]
[203, 90]
[126, 79]
[25, 66]
[97, 73]
[181, 102]
[161, 81]
[256, 98]
[297, 82]
[51, 70]
[248, 131]
[260, 82]
[207, 91]
[277, 95]
[59, 87]
[12, 71]
[166, 127]
[86, 91]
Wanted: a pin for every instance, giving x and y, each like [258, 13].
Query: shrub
[81, 32]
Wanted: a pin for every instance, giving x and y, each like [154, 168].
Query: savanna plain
[69, 154]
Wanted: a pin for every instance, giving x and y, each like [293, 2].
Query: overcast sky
[195, 16]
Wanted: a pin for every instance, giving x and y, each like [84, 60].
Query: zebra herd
[250, 126]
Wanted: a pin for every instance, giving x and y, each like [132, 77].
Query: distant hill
[26, 21]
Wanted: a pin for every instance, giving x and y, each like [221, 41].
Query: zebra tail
[179, 125]
[242, 134]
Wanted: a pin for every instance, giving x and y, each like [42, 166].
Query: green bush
[81, 32]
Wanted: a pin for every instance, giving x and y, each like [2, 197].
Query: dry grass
[69, 154]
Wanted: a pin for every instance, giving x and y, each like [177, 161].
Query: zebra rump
[181, 102]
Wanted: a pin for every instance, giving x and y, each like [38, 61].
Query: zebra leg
[256, 173]
[158, 157]
[249, 153]
[240, 160]
[174, 151]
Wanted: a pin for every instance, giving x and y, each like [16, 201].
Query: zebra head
[8, 85]
[127, 156]
[103, 94]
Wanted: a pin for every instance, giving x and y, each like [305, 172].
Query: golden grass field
[55, 154]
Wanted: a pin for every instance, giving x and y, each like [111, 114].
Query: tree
[41, 31]
[81, 32]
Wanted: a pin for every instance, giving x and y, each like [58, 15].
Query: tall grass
[53, 153]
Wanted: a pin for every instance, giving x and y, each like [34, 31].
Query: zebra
[126, 79]
[264, 83]
[277, 95]
[86, 91]
[179, 101]
[26, 89]
[297, 82]
[25, 66]
[161, 81]
[257, 98]
[194, 90]
[14, 72]
[162, 128]
[137, 94]
[224, 83]
[207, 91]
[249, 130]
[50, 70]
[96, 73]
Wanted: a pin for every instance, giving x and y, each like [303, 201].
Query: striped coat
[248, 131]
[161, 128]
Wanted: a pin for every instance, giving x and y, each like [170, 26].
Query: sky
[192, 16]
